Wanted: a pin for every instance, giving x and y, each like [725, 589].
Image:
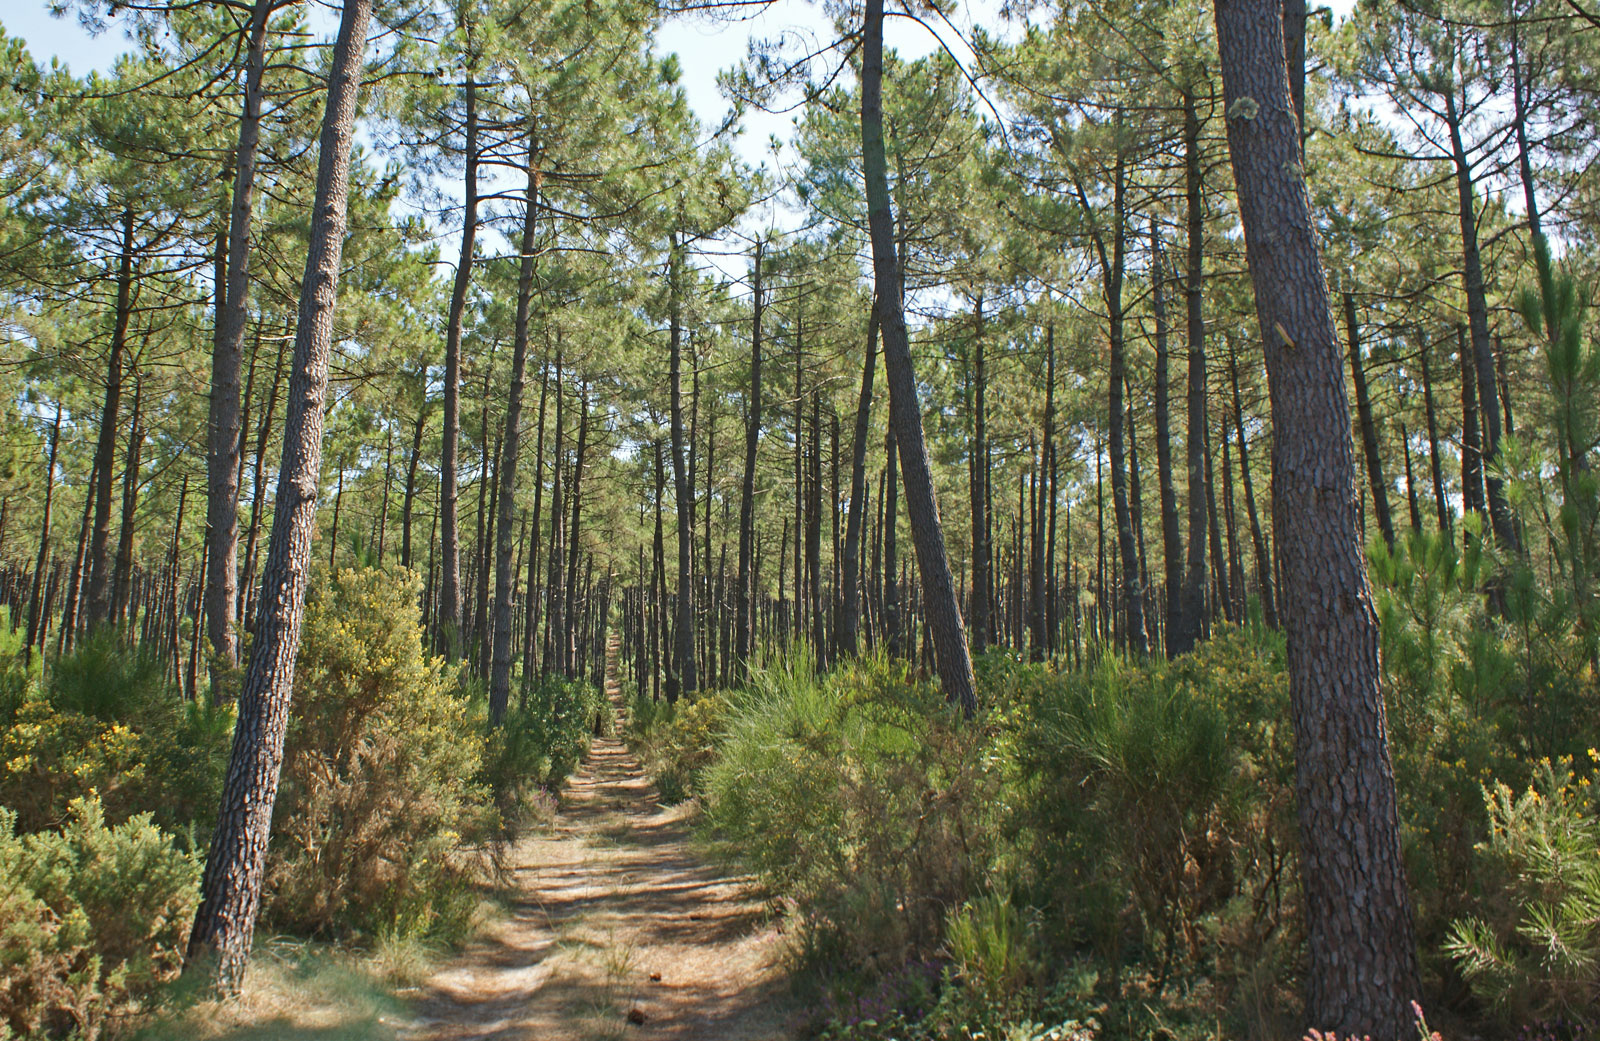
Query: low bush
[381, 779]
[544, 736]
[92, 918]
[861, 798]
[1533, 950]
[107, 723]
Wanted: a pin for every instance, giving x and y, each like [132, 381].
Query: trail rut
[617, 930]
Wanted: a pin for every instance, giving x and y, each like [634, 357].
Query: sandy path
[616, 918]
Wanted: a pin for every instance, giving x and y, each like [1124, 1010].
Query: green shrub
[380, 780]
[540, 742]
[91, 918]
[107, 723]
[1155, 819]
[863, 799]
[1534, 950]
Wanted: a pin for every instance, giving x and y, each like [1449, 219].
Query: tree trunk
[1471, 452]
[449, 615]
[225, 428]
[98, 565]
[1369, 427]
[979, 603]
[500, 662]
[231, 889]
[849, 621]
[1186, 631]
[411, 484]
[36, 597]
[122, 572]
[745, 620]
[1133, 634]
[1435, 465]
[1500, 518]
[1362, 973]
[258, 481]
[1269, 611]
[555, 614]
[683, 652]
[943, 611]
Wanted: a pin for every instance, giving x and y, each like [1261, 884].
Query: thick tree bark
[683, 651]
[449, 615]
[745, 621]
[1362, 974]
[1369, 426]
[225, 428]
[1186, 630]
[231, 888]
[500, 664]
[943, 611]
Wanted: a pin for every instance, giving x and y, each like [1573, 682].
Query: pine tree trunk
[98, 598]
[1500, 517]
[504, 577]
[978, 602]
[1369, 427]
[1187, 627]
[1435, 465]
[231, 889]
[1258, 541]
[449, 614]
[225, 428]
[247, 585]
[36, 597]
[744, 625]
[943, 611]
[683, 652]
[1362, 972]
[1471, 451]
[122, 574]
[849, 622]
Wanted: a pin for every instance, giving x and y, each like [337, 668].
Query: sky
[705, 47]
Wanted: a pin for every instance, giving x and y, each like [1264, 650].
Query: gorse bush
[107, 723]
[381, 778]
[679, 742]
[92, 918]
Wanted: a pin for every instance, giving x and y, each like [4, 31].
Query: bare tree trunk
[1269, 609]
[122, 571]
[943, 611]
[99, 565]
[1362, 974]
[449, 615]
[231, 888]
[36, 598]
[1186, 632]
[225, 427]
[683, 652]
[1369, 427]
[247, 586]
[979, 605]
[1435, 465]
[745, 621]
[849, 622]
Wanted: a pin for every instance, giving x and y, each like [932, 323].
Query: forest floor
[616, 929]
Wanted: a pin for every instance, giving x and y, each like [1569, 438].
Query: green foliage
[107, 722]
[679, 742]
[92, 918]
[1170, 849]
[861, 798]
[1534, 949]
[381, 773]
[539, 743]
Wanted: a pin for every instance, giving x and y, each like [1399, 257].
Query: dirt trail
[615, 918]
